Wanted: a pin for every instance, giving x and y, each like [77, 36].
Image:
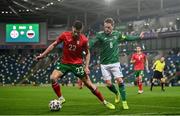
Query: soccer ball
[55, 105]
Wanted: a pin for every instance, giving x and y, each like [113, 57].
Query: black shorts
[157, 74]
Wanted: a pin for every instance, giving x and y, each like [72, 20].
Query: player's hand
[40, 56]
[152, 68]
[133, 61]
[141, 35]
[148, 71]
[87, 70]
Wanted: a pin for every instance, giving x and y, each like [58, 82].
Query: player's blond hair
[109, 20]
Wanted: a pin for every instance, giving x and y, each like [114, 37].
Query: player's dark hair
[78, 25]
[138, 46]
[109, 20]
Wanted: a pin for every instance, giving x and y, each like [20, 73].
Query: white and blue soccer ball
[55, 105]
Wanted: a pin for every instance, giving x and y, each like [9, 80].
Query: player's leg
[136, 74]
[155, 76]
[122, 92]
[92, 87]
[152, 82]
[96, 92]
[112, 87]
[107, 78]
[79, 72]
[140, 85]
[139, 81]
[162, 80]
[117, 73]
[59, 71]
[55, 85]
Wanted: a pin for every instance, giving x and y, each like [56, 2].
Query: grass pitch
[32, 100]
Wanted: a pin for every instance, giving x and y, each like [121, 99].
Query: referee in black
[159, 67]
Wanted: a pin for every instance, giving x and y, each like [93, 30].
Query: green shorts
[138, 73]
[76, 69]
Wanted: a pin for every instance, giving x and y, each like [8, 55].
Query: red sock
[57, 89]
[139, 83]
[97, 93]
[140, 86]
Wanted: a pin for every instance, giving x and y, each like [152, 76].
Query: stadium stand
[20, 68]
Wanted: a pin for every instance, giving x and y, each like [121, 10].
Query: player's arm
[154, 65]
[51, 47]
[87, 60]
[147, 64]
[87, 56]
[164, 70]
[128, 37]
[132, 60]
[47, 51]
[163, 80]
[94, 40]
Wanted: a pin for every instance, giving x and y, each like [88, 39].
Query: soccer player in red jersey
[139, 59]
[74, 43]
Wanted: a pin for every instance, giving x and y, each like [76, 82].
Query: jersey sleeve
[60, 38]
[123, 37]
[133, 57]
[154, 65]
[92, 41]
[86, 44]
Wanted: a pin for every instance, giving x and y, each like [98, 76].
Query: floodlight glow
[108, 0]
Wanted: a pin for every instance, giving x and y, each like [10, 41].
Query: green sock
[112, 88]
[122, 91]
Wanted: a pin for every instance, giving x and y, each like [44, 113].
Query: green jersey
[109, 45]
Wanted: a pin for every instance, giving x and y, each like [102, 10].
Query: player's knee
[108, 83]
[53, 78]
[119, 80]
[163, 80]
[140, 78]
[153, 80]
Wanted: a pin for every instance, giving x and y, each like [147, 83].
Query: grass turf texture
[30, 100]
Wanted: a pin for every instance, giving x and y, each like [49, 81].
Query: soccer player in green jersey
[109, 40]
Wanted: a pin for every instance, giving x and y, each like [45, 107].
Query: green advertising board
[22, 33]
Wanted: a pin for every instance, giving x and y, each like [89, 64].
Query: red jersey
[72, 48]
[139, 61]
